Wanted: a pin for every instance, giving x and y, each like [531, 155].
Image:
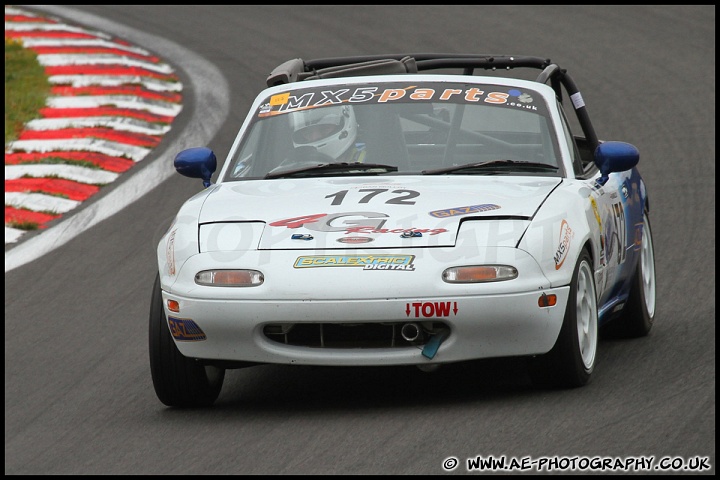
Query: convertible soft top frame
[297, 70]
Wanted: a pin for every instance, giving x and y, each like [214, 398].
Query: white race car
[373, 211]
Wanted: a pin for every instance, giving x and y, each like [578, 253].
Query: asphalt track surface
[78, 393]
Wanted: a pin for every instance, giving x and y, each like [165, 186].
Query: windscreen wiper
[356, 168]
[469, 168]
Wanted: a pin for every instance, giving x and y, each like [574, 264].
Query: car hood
[369, 212]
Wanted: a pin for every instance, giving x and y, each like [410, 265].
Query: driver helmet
[331, 130]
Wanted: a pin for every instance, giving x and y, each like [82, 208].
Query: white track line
[40, 202]
[50, 27]
[82, 42]
[123, 124]
[78, 81]
[92, 176]
[157, 107]
[114, 149]
[104, 59]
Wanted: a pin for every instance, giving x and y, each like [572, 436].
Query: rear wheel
[571, 361]
[179, 381]
[637, 318]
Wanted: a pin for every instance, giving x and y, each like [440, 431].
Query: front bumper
[480, 326]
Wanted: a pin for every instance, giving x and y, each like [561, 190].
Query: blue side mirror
[199, 162]
[615, 157]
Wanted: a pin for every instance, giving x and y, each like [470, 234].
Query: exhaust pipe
[410, 332]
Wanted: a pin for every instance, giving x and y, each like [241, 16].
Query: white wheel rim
[647, 265]
[586, 315]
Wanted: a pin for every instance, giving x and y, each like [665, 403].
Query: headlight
[479, 273]
[229, 278]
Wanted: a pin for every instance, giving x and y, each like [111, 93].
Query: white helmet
[331, 130]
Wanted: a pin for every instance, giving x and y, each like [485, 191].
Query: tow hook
[432, 346]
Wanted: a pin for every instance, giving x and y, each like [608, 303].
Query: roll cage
[297, 70]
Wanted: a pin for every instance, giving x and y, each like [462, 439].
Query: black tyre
[637, 318]
[179, 381]
[571, 361]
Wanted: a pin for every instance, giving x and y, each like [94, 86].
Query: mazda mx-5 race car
[403, 210]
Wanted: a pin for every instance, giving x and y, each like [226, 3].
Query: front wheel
[179, 381]
[571, 361]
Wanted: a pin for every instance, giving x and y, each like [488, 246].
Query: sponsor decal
[170, 252]
[616, 232]
[264, 109]
[301, 236]
[412, 232]
[452, 212]
[355, 240]
[366, 262]
[399, 93]
[637, 243]
[185, 330]
[349, 222]
[596, 211]
[431, 309]
[566, 234]
[624, 191]
[337, 222]
[280, 99]
[577, 100]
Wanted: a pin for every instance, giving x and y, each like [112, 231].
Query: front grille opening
[353, 335]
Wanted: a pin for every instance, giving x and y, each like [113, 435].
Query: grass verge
[26, 88]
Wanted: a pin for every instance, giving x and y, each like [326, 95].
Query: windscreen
[415, 126]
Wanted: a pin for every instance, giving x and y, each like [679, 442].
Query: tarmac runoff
[109, 106]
